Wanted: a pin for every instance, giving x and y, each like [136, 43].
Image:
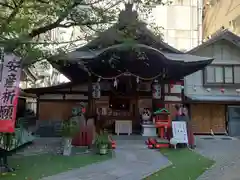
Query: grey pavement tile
[120, 172]
[133, 161]
[225, 153]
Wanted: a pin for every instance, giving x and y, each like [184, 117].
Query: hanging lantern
[96, 90]
[156, 90]
[137, 80]
[222, 90]
[208, 89]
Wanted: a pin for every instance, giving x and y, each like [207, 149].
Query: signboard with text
[179, 129]
[9, 91]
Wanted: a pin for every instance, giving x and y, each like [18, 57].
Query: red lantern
[83, 110]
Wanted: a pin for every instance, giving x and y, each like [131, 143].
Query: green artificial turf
[186, 165]
[38, 166]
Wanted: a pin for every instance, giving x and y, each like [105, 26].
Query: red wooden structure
[163, 123]
[85, 136]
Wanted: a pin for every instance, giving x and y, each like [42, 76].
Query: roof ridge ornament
[128, 15]
[129, 6]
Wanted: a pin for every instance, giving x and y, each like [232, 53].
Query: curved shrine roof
[109, 56]
[140, 60]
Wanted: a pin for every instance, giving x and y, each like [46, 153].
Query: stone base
[149, 130]
[67, 146]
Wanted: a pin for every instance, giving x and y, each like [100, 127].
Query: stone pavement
[225, 153]
[41, 146]
[133, 161]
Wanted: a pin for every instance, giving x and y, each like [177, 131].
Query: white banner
[9, 91]
[179, 129]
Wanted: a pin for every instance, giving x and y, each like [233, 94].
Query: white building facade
[181, 22]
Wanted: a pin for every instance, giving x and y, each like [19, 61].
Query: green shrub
[70, 128]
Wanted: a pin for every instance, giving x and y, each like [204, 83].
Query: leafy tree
[26, 23]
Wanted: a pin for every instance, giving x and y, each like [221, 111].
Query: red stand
[84, 137]
[163, 123]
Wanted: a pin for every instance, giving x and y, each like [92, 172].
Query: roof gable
[221, 35]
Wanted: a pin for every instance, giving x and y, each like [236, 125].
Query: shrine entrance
[134, 79]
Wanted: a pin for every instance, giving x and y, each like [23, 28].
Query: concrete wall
[218, 13]
[181, 22]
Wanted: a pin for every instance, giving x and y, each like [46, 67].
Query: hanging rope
[128, 73]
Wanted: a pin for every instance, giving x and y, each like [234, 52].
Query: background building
[181, 22]
[46, 75]
[221, 14]
[213, 93]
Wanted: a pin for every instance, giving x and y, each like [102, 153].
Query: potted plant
[102, 143]
[69, 130]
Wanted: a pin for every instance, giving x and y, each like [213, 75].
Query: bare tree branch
[87, 23]
[6, 5]
[91, 3]
[53, 25]
[14, 2]
[42, 1]
[44, 42]
[57, 23]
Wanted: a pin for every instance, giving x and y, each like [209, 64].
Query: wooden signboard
[179, 129]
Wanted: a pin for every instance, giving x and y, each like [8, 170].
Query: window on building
[222, 75]
[236, 74]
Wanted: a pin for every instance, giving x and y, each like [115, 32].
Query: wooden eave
[23, 94]
[29, 74]
[49, 89]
